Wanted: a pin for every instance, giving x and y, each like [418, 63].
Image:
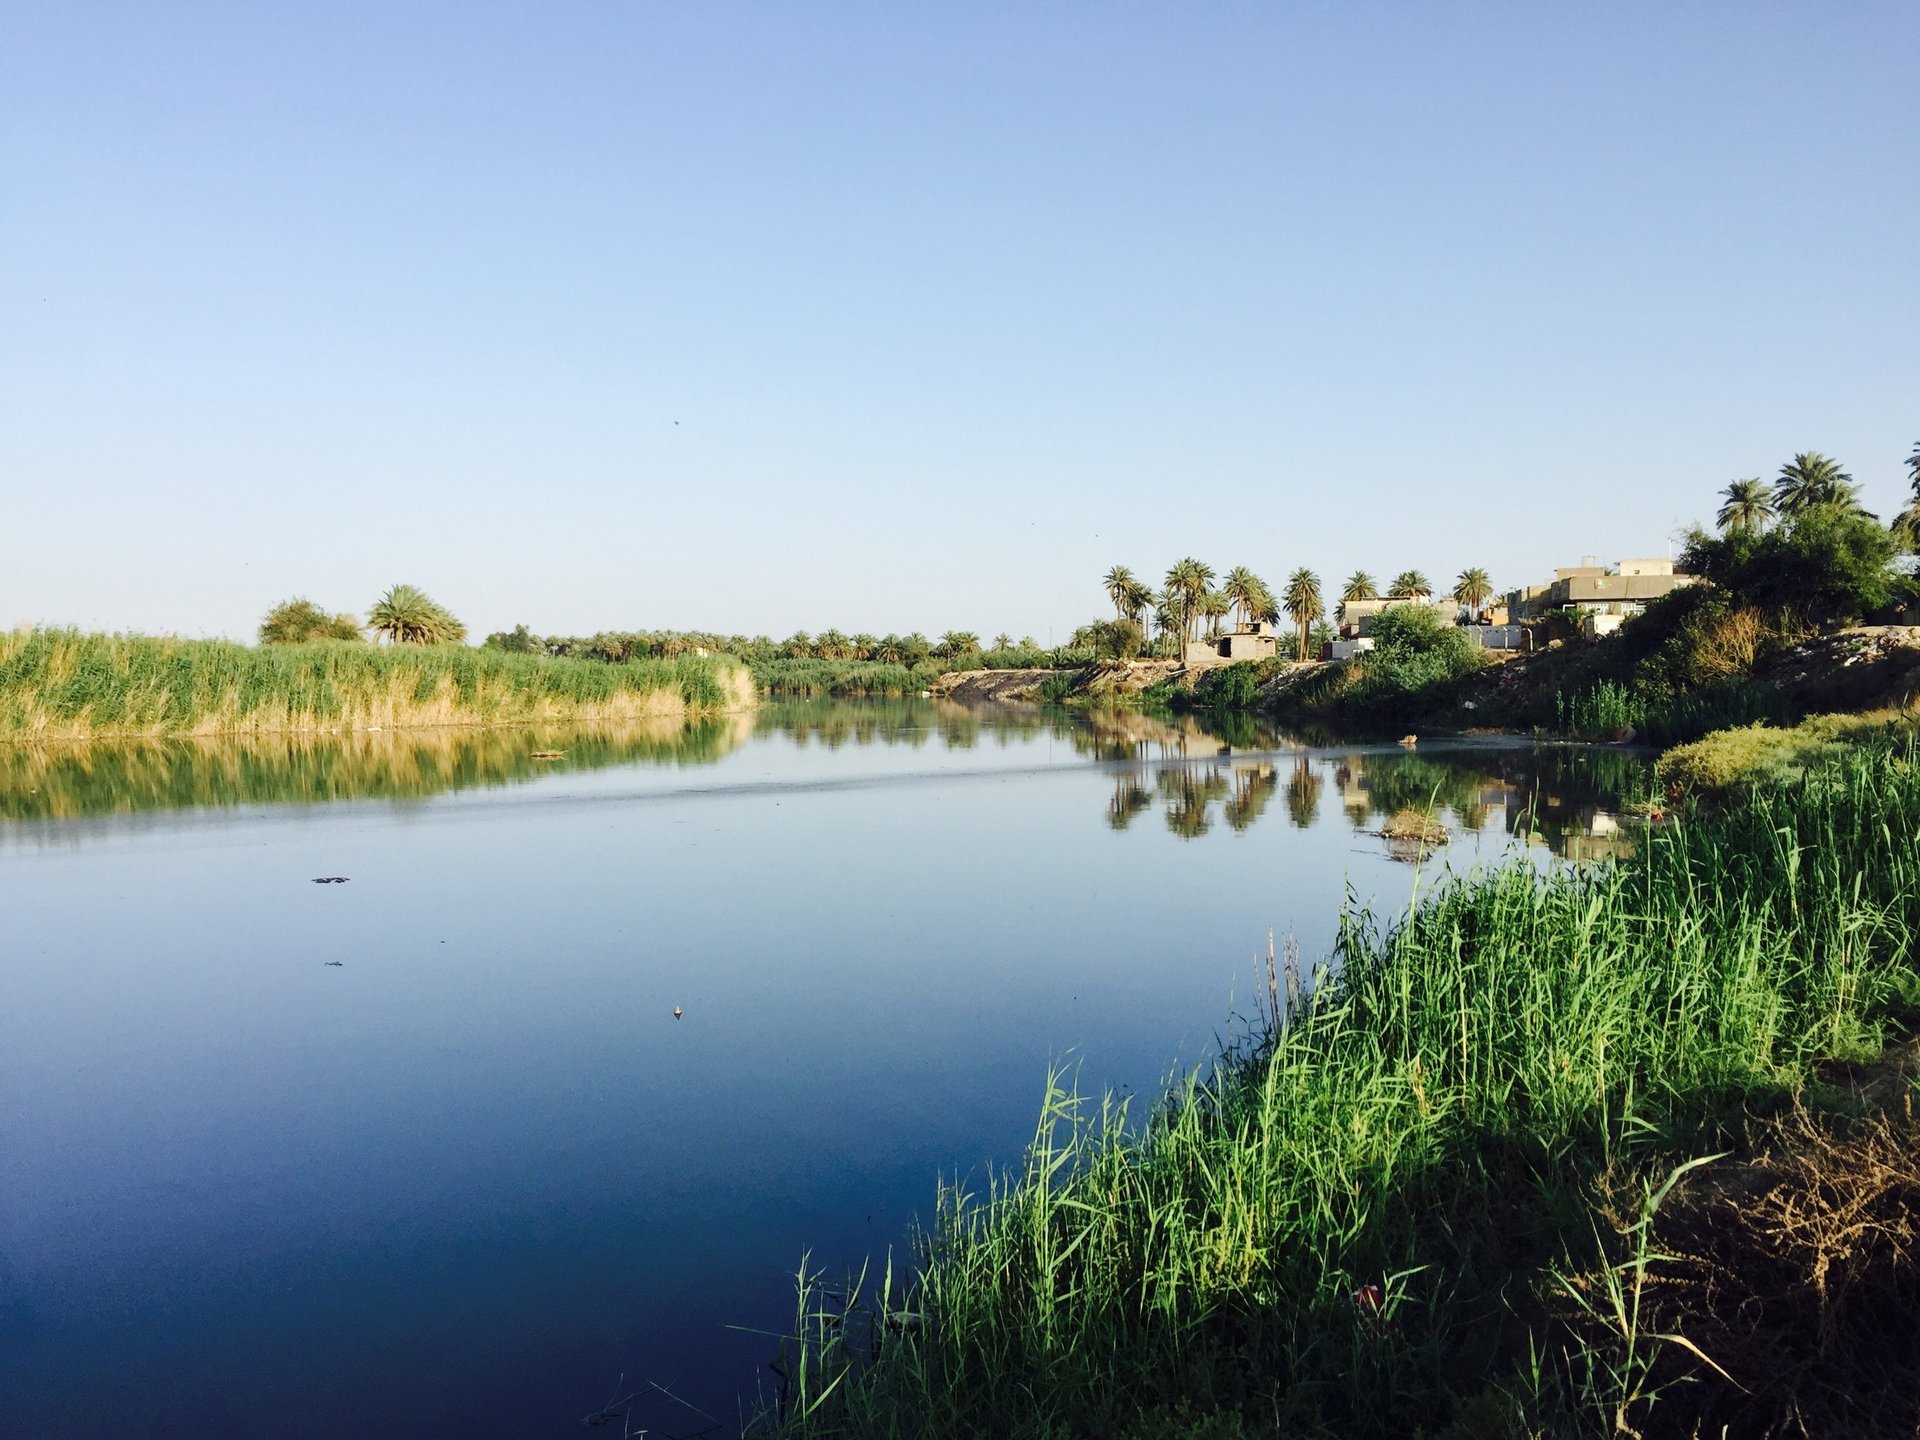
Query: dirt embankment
[1867, 667]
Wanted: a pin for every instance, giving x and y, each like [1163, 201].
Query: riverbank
[1497, 1173]
[65, 685]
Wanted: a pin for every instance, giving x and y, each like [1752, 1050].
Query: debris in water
[548, 754]
[335, 963]
[329, 879]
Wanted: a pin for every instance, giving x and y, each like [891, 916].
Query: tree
[295, 621]
[1410, 585]
[1906, 525]
[1244, 592]
[1216, 607]
[891, 650]
[1189, 579]
[957, 644]
[1004, 641]
[517, 641]
[1473, 589]
[1827, 564]
[1121, 586]
[1748, 506]
[1811, 479]
[407, 615]
[832, 645]
[1303, 602]
[1359, 586]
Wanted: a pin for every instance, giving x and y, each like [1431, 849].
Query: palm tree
[1473, 589]
[1906, 525]
[407, 615]
[1120, 590]
[1303, 602]
[1811, 479]
[1409, 585]
[1214, 608]
[1169, 616]
[890, 650]
[1243, 590]
[1189, 579]
[1359, 586]
[1004, 641]
[1747, 507]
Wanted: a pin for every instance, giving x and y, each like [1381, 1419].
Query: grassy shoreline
[65, 685]
[1427, 1198]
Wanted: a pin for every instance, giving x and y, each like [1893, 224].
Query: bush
[297, 621]
[1415, 653]
[1829, 565]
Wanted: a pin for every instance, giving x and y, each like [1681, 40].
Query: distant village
[1592, 599]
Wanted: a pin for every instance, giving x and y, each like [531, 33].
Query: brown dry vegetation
[1780, 1295]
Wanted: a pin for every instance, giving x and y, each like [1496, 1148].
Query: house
[1256, 641]
[1357, 616]
[1603, 598]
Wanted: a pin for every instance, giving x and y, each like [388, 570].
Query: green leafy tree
[957, 645]
[1473, 589]
[1811, 479]
[1747, 505]
[407, 615]
[798, 646]
[1410, 585]
[1304, 603]
[295, 621]
[517, 641]
[1828, 564]
[1004, 641]
[1121, 585]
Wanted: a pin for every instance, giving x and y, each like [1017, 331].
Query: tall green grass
[65, 684]
[841, 679]
[1429, 1120]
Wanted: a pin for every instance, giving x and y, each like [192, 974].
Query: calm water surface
[466, 1178]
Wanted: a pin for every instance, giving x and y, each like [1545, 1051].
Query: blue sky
[624, 315]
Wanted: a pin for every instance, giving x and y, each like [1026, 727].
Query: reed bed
[841, 679]
[1361, 1221]
[62, 684]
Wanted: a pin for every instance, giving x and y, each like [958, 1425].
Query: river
[543, 1103]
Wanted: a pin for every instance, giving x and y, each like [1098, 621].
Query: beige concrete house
[1257, 641]
[1604, 597]
[1357, 616]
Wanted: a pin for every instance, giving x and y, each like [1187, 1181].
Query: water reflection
[1562, 798]
[68, 781]
[1198, 772]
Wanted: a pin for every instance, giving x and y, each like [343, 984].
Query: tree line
[1189, 605]
[1808, 482]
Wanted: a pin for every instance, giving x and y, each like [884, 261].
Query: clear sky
[612, 314]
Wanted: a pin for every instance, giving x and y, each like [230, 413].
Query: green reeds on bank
[62, 684]
[841, 679]
[1358, 1224]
